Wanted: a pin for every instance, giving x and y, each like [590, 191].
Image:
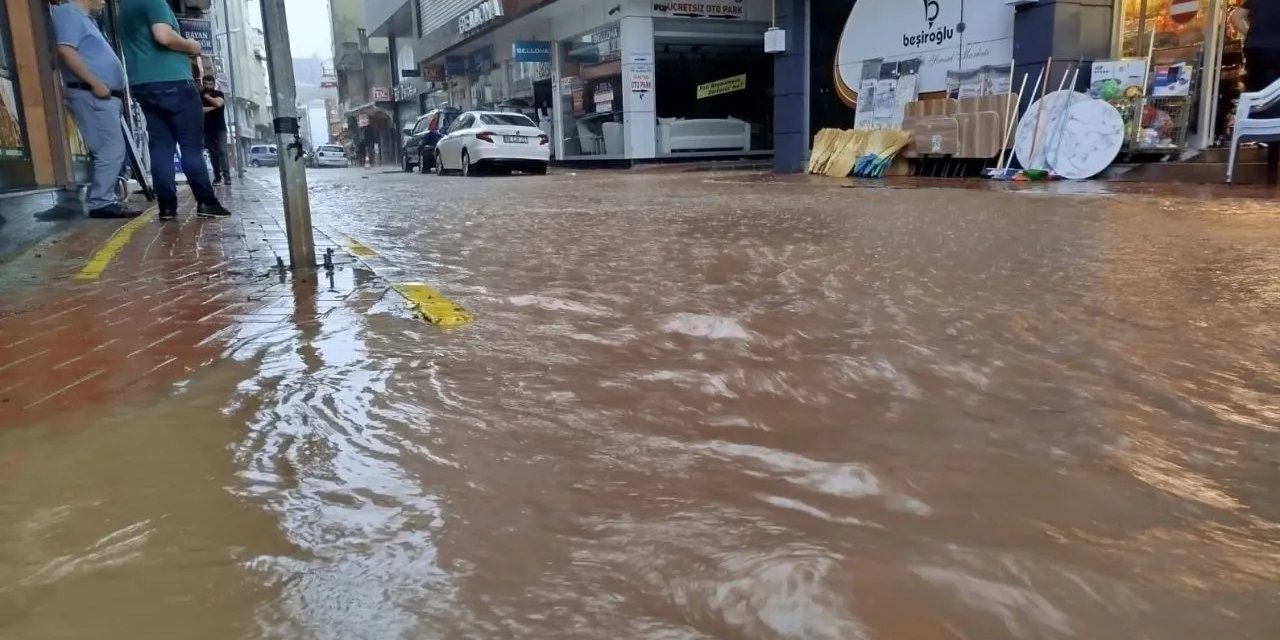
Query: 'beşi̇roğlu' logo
[930, 34]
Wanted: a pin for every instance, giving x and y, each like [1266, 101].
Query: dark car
[419, 148]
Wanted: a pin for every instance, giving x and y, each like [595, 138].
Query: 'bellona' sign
[479, 14]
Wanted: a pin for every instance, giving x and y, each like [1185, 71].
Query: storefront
[1194, 77]
[621, 81]
[1196, 34]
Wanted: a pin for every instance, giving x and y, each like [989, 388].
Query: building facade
[238, 42]
[363, 74]
[608, 80]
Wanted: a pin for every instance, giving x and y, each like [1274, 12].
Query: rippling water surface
[701, 407]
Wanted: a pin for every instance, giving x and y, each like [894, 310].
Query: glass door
[1181, 31]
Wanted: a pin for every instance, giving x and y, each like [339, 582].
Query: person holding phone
[215, 129]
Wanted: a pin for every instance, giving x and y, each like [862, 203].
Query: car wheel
[439, 164]
[467, 169]
[255, 164]
[540, 170]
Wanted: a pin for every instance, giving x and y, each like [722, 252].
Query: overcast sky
[309, 33]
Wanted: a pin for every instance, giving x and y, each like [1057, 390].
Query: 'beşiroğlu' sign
[946, 35]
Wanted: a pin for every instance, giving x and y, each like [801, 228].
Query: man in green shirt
[158, 61]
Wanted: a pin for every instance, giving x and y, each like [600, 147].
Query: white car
[331, 155]
[480, 139]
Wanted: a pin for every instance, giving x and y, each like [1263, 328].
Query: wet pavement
[698, 406]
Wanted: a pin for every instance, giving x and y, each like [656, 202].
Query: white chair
[590, 142]
[1251, 129]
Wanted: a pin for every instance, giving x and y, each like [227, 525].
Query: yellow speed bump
[432, 306]
[360, 250]
[113, 246]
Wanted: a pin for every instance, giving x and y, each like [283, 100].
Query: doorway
[1204, 39]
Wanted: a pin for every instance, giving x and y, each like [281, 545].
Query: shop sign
[480, 61]
[431, 72]
[328, 82]
[641, 78]
[455, 65]
[478, 15]
[720, 87]
[381, 94]
[405, 91]
[531, 51]
[199, 30]
[944, 34]
[722, 9]
[605, 35]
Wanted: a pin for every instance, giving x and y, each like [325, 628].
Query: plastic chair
[1249, 128]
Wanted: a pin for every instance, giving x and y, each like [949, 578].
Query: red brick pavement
[173, 300]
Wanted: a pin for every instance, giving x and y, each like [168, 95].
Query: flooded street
[699, 406]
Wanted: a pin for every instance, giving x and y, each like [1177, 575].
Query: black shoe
[114, 212]
[212, 210]
[217, 181]
[168, 214]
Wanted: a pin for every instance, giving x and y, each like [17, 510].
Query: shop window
[1141, 18]
[591, 95]
[12, 137]
[713, 88]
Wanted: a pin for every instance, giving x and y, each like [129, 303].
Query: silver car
[263, 155]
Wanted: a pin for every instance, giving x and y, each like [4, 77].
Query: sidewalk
[137, 305]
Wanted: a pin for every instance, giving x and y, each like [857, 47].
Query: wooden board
[936, 136]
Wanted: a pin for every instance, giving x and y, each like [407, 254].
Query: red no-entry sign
[1183, 11]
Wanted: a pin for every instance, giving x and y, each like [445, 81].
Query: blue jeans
[99, 124]
[175, 120]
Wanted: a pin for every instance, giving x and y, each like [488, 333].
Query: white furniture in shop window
[1249, 127]
[703, 134]
[591, 143]
[613, 144]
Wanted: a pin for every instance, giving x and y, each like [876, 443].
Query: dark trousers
[175, 122]
[216, 143]
[1262, 67]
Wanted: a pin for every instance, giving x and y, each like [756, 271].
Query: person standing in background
[1258, 22]
[95, 90]
[215, 130]
[160, 79]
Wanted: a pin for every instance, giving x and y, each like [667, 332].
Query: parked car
[420, 139]
[490, 139]
[331, 155]
[263, 155]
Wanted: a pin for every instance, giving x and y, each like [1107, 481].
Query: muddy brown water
[696, 406]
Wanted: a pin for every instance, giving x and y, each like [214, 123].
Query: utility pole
[293, 173]
[231, 69]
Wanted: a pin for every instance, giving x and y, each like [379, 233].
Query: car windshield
[513, 119]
